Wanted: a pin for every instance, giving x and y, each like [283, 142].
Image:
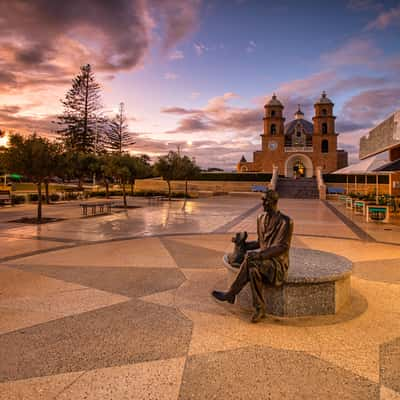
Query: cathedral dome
[324, 99]
[274, 101]
[299, 124]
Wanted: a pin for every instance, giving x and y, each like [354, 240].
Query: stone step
[301, 188]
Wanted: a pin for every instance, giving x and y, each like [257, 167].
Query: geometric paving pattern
[121, 334]
[272, 373]
[110, 321]
[131, 282]
[378, 270]
[390, 365]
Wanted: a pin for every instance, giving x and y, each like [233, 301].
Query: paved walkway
[127, 314]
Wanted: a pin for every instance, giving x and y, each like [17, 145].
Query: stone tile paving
[161, 317]
[311, 217]
[378, 231]
[134, 319]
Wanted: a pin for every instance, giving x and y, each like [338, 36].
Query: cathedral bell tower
[324, 120]
[273, 123]
[325, 136]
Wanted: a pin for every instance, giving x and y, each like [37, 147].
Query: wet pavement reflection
[176, 216]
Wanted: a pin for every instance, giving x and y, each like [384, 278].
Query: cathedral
[298, 147]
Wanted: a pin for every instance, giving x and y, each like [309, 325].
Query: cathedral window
[273, 129]
[324, 146]
[273, 113]
[324, 128]
[324, 112]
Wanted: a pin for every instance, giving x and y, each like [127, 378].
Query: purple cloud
[47, 40]
[385, 19]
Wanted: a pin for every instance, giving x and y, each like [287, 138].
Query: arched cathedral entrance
[299, 165]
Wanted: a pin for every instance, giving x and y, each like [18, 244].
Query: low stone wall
[159, 185]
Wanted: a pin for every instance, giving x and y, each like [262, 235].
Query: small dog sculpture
[239, 251]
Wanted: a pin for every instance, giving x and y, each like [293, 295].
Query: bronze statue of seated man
[267, 259]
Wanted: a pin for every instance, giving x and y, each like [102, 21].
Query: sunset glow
[4, 140]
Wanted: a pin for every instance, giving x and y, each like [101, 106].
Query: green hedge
[54, 197]
[371, 179]
[176, 195]
[102, 193]
[35, 197]
[233, 176]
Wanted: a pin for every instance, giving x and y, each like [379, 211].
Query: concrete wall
[383, 137]
[195, 186]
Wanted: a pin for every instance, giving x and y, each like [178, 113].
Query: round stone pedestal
[318, 284]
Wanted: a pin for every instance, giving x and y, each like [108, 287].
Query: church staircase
[300, 188]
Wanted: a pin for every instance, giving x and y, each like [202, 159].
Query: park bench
[258, 188]
[5, 196]
[96, 208]
[71, 191]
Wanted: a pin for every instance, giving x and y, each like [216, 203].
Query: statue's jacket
[274, 237]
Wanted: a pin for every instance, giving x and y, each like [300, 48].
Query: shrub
[97, 194]
[176, 195]
[148, 193]
[18, 199]
[34, 197]
[71, 196]
[102, 193]
[116, 193]
[54, 197]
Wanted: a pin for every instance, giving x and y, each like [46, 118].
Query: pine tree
[118, 136]
[81, 123]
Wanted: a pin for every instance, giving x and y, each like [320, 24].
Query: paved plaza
[119, 307]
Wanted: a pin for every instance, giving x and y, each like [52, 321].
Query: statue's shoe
[224, 296]
[258, 315]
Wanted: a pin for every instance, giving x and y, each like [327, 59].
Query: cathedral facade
[299, 147]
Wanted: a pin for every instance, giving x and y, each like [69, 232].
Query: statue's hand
[253, 245]
[253, 256]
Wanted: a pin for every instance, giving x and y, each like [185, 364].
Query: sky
[196, 73]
